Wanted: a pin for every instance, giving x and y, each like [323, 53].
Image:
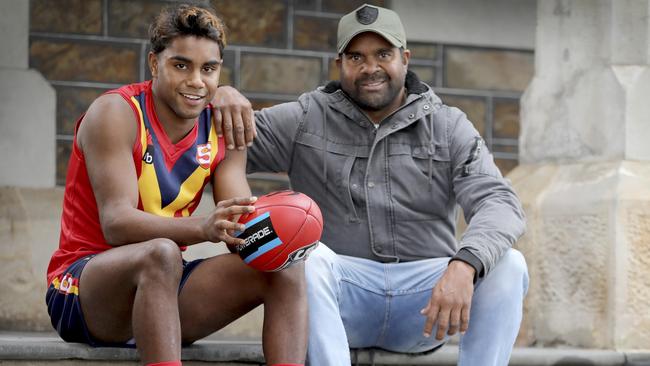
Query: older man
[389, 163]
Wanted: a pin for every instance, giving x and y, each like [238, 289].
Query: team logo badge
[148, 153]
[367, 15]
[67, 284]
[203, 155]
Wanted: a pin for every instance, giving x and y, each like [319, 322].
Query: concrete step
[35, 349]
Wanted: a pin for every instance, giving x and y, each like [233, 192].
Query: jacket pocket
[420, 182]
[338, 162]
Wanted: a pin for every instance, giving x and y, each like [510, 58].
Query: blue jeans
[359, 303]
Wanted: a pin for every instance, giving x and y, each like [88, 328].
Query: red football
[284, 228]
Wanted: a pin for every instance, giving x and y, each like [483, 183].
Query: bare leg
[131, 291]
[223, 288]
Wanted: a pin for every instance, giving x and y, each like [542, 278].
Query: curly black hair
[186, 20]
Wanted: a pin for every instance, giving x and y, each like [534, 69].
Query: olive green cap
[370, 18]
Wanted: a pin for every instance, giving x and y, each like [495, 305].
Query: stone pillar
[27, 107]
[27, 165]
[584, 177]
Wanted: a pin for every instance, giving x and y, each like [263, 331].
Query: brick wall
[277, 49]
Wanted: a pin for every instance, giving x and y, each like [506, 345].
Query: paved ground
[47, 349]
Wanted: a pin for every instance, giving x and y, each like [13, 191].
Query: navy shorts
[63, 304]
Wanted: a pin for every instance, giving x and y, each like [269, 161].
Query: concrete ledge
[47, 349]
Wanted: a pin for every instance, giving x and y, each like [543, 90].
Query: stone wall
[277, 49]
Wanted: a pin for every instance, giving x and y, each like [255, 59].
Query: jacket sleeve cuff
[466, 256]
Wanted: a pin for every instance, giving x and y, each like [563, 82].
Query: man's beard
[374, 101]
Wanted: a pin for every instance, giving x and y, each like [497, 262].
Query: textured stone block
[71, 102]
[21, 291]
[66, 16]
[63, 150]
[254, 22]
[84, 61]
[506, 119]
[132, 18]
[313, 33]
[343, 6]
[279, 74]
[424, 51]
[488, 69]
[263, 103]
[426, 74]
[634, 329]
[587, 250]
[227, 76]
[333, 73]
[506, 165]
[474, 108]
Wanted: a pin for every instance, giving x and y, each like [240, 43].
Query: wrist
[463, 268]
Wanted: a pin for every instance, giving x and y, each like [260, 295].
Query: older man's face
[373, 72]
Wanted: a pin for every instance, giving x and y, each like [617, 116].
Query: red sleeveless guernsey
[171, 178]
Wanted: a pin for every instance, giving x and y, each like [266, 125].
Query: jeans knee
[161, 261]
[319, 273]
[513, 266]
[319, 264]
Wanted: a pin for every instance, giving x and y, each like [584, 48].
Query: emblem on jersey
[148, 153]
[203, 152]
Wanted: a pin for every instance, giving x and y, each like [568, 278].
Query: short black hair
[186, 20]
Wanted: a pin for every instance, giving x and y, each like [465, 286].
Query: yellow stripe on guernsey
[148, 181]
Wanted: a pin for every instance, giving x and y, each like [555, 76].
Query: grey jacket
[389, 194]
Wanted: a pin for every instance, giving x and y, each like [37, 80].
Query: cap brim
[390, 38]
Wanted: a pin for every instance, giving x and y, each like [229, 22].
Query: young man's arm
[229, 179]
[106, 137]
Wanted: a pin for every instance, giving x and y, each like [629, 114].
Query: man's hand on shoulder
[233, 116]
[450, 301]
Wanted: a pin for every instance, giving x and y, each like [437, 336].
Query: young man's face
[373, 72]
[186, 75]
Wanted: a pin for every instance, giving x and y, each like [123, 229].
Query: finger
[249, 126]
[238, 130]
[464, 319]
[229, 227]
[232, 241]
[239, 201]
[432, 317]
[443, 323]
[216, 115]
[227, 131]
[234, 211]
[454, 321]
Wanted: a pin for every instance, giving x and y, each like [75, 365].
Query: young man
[141, 157]
[388, 163]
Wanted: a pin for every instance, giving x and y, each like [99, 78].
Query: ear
[338, 61]
[152, 58]
[406, 56]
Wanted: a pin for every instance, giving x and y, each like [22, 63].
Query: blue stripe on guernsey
[253, 222]
[170, 182]
[263, 249]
